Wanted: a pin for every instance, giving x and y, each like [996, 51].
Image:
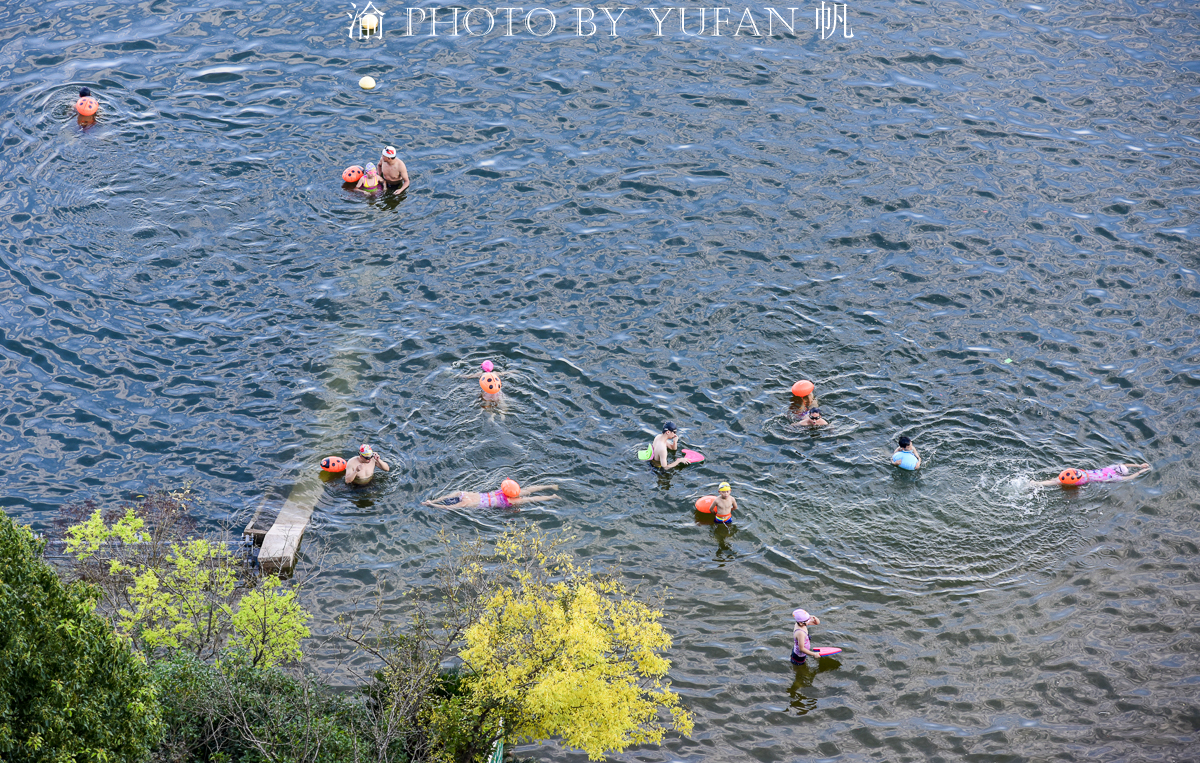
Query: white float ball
[366, 83]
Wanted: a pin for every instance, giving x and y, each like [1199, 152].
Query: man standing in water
[658, 450]
[361, 468]
[395, 174]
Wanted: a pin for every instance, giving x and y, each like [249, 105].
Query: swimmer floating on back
[1112, 473]
[507, 497]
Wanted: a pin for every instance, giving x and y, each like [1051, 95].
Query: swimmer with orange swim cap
[510, 495]
[1081, 477]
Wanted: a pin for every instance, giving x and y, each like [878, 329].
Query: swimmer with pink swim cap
[1111, 473]
[489, 382]
[801, 646]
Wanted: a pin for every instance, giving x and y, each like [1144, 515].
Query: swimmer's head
[669, 427]
[1121, 469]
[802, 388]
[389, 153]
[904, 442]
[1069, 477]
[804, 618]
[365, 451]
[815, 413]
[370, 168]
[510, 488]
[85, 92]
[487, 366]
[724, 488]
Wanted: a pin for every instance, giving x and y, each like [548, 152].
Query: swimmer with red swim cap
[361, 468]
[1112, 473]
[510, 495]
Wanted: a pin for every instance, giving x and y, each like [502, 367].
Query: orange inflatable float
[489, 383]
[86, 106]
[334, 465]
[705, 503]
[352, 173]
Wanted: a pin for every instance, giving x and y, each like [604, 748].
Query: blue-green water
[637, 228]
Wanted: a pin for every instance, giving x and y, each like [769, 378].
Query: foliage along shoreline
[155, 644]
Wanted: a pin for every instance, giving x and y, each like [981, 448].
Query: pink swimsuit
[1107, 474]
[494, 500]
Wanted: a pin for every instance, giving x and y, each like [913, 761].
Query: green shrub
[70, 688]
[238, 712]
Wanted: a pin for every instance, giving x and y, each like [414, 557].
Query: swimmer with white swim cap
[361, 468]
[370, 181]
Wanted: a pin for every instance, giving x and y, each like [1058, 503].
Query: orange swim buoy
[802, 388]
[705, 503]
[86, 106]
[352, 174]
[510, 488]
[1071, 477]
[333, 465]
[489, 383]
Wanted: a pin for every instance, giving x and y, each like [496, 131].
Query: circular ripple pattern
[974, 225]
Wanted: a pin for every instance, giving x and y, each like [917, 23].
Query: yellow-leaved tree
[558, 651]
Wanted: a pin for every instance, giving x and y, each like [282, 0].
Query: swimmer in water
[723, 506]
[393, 171]
[906, 456]
[361, 468]
[801, 646]
[669, 439]
[1112, 473]
[806, 407]
[497, 499]
[370, 181]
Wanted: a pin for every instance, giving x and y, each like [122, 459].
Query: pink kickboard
[825, 651]
[692, 456]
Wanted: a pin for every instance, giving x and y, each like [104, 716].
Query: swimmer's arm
[351, 470]
[358, 186]
[403, 176]
[382, 464]
[1045, 483]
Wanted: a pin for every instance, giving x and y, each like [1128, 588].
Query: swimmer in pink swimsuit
[1111, 473]
[494, 500]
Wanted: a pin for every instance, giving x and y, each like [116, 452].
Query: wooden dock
[281, 543]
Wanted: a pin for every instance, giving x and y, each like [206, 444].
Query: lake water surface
[973, 223]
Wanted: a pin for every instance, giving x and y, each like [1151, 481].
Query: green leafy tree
[70, 688]
[174, 592]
